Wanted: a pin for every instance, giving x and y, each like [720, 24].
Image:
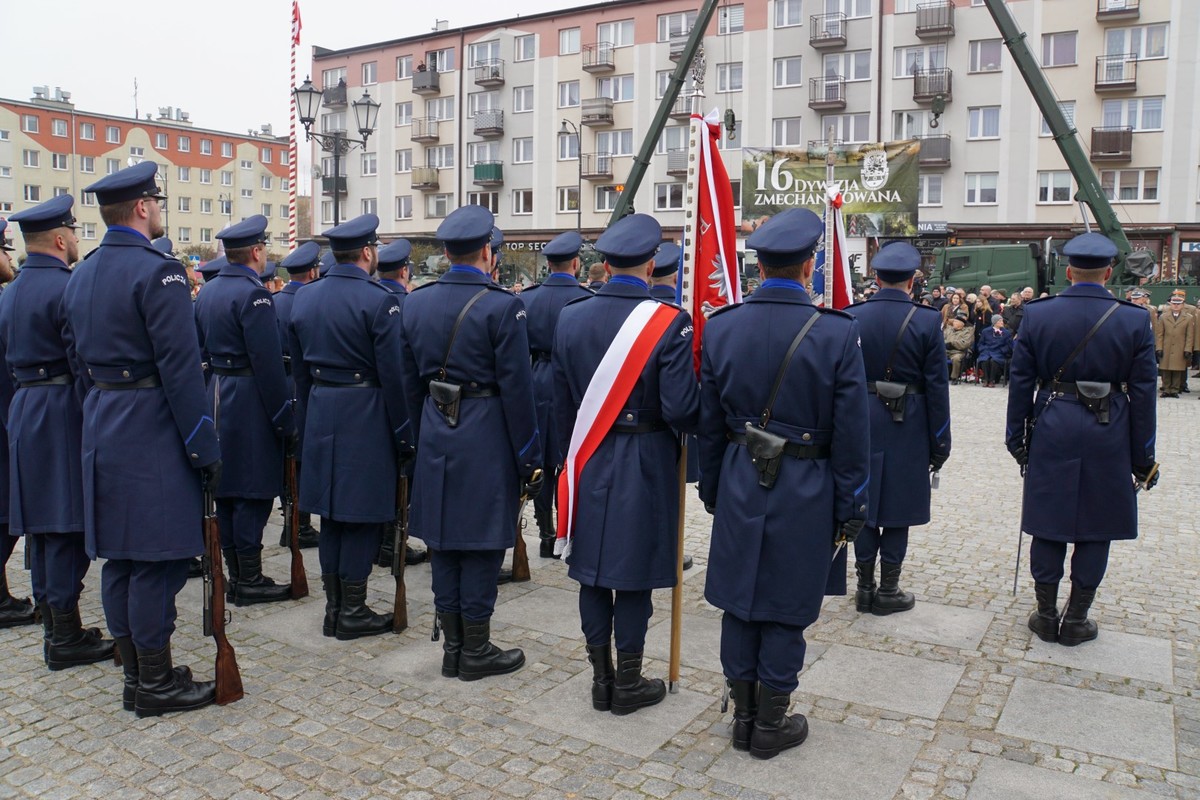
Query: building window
[206, 236]
[137, 152]
[908, 61]
[33, 194]
[185, 203]
[6, 206]
[87, 230]
[87, 131]
[184, 235]
[87, 199]
[787, 72]
[184, 173]
[616, 143]
[618, 34]
[906, 6]
[786, 132]
[929, 189]
[731, 19]
[58, 127]
[568, 199]
[404, 113]
[112, 134]
[668, 196]
[205, 205]
[330, 77]
[369, 73]
[983, 122]
[568, 147]
[370, 166]
[440, 61]
[1139, 113]
[1068, 109]
[850, 128]
[283, 211]
[226, 207]
[729, 77]
[226, 149]
[606, 198]
[369, 205]
[731, 140]
[483, 53]
[678, 24]
[283, 158]
[522, 99]
[185, 144]
[852, 66]
[29, 123]
[523, 150]
[674, 137]
[404, 160]
[284, 185]
[483, 153]
[59, 191]
[619, 88]
[568, 41]
[206, 147]
[568, 94]
[31, 158]
[265, 183]
[664, 83]
[403, 68]
[1054, 187]
[226, 178]
[735, 187]
[1144, 41]
[981, 188]
[265, 155]
[438, 205]
[851, 8]
[984, 55]
[440, 157]
[478, 102]
[247, 194]
[440, 108]
[1130, 185]
[206, 176]
[1058, 49]
[60, 161]
[489, 200]
[87, 164]
[525, 48]
[111, 165]
[787, 13]
[247, 163]
[404, 206]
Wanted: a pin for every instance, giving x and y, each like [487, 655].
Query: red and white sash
[603, 400]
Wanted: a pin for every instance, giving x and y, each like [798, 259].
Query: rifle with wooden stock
[520, 570]
[229, 678]
[399, 549]
[291, 519]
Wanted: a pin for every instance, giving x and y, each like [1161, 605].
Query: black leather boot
[864, 595]
[162, 688]
[72, 646]
[412, 556]
[333, 602]
[482, 659]
[129, 662]
[252, 586]
[13, 612]
[600, 657]
[745, 707]
[890, 598]
[503, 577]
[1044, 622]
[774, 728]
[195, 568]
[231, 567]
[630, 690]
[309, 536]
[546, 532]
[452, 642]
[355, 620]
[1076, 627]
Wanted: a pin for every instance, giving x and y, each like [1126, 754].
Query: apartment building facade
[212, 178]
[539, 117]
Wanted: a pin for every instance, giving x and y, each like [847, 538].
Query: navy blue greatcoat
[900, 450]
[993, 345]
[45, 423]
[235, 317]
[544, 303]
[395, 287]
[626, 511]
[130, 309]
[1079, 486]
[467, 481]
[6, 393]
[771, 548]
[345, 329]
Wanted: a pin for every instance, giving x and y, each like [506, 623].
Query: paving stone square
[700, 642]
[882, 680]
[1000, 779]
[545, 609]
[1143, 658]
[931, 622]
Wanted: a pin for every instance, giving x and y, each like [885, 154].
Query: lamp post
[366, 112]
[567, 124]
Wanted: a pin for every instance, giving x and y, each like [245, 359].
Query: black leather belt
[1069, 387]
[55, 380]
[540, 355]
[911, 388]
[640, 427]
[370, 383]
[481, 391]
[234, 372]
[793, 449]
[149, 382]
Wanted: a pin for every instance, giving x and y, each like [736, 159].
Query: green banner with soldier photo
[879, 184]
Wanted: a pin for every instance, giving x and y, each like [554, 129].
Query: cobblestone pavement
[950, 700]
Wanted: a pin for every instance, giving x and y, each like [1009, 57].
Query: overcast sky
[226, 62]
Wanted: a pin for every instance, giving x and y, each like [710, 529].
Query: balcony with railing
[489, 173]
[935, 19]
[334, 96]
[935, 150]
[1112, 144]
[425, 129]
[425, 178]
[677, 44]
[596, 166]
[827, 30]
[1116, 72]
[682, 108]
[929, 83]
[489, 73]
[827, 92]
[599, 57]
[596, 111]
[677, 162]
[426, 82]
[1117, 9]
[489, 123]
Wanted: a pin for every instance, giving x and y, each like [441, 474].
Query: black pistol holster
[893, 394]
[1095, 397]
[447, 396]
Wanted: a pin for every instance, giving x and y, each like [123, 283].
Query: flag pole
[830, 228]
[292, 149]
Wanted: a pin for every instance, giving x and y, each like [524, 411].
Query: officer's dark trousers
[58, 564]
[348, 549]
[7, 544]
[768, 652]
[891, 544]
[1088, 562]
[547, 499]
[604, 613]
[242, 522]
[139, 599]
[464, 581]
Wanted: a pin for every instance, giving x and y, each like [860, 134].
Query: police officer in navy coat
[544, 303]
[239, 334]
[148, 435]
[626, 512]
[345, 347]
[13, 612]
[771, 550]
[1087, 438]
[906, 445]
[45, 425]
[209, 270]
[476, 454]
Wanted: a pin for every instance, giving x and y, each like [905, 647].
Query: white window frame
[523, 150]
[730, 77]
[404, 160]
[184, 144]
[849, 66]
[568, 41]
[975, 185]
[522, 202]
[1068, 109]
[1050, 45]
[58, 127]
[87, 164]
[1113, 190]
[404, 204]
[853, 9]
[87, 131]
[675, 23]
[404, 112]
[1134, 40]
[483, 152]
[440, 157]
[618, 32]
[983, 123]
[30, 123]
[605, 198]
[404, 68]
[370, 73]
[565, 93]
[976, 55]
[525, 47]
[112, 134]
[926, 183]
[205, 176]
[788, 13]
[522, 99]
[564, 195]
[184, 174]
[1050, 183]
[489, 200]
[31, 159]
[787, 132]
[481, 53]
[731, 19]
[1132, 113]
[615, 142]
[226, 149]
[668, 196]
[788, 71]
[618, 88]
[568, 146]
[910, 59]
[60, 161]
[849, 128]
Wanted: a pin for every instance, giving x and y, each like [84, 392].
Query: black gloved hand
[211, 475]
[291, 446]
[937, 460]
[849, 530]
[1158, 355]
[531, 485]
[1020, 454]
[1143, 476]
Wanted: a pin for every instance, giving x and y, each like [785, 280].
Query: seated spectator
[956, 303]
[994, 350]
[1014, 312]
[959, 340]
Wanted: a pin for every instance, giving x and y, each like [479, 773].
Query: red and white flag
[296, 22]
[838, 263]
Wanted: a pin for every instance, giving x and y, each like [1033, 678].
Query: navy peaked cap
[467, 229]
[666, 260]
[268, 270]
[164, 245]
[303, 258]
[896, 261]
[395, 255]
[497, 238]
[563, 247]
[787, 238]
[1090, 251]
[630, 241]
[356, 233]
[54, 213]
[327, 262]
[210, 269]
[131, 183]
[248, 232]
[5, 242]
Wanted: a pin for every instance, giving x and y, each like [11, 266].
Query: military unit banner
[879, 185]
